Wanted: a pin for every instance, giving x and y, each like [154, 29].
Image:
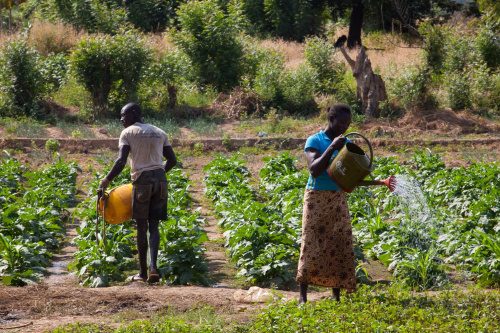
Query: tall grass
[47, 37]
[71, 128]
[23, 127]
[169, 125]
[204, 127]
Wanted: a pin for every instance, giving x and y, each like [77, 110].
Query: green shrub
[95, 16]
[298, 90]
[489, 46]
[435, 38]
[162, 82]
[495, 91]
[52, 145]
[267, 83]
[408, 86]
[110, 68]
[21, 82]
[460, 54]
[321, 56]
[208, 36]
[151, 15]
[458, 91]
[54, 71]
[256, 56]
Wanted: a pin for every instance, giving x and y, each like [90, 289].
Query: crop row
[32, 213]
[262, 226]
[180, 256]
[454, 222]
[436, 217]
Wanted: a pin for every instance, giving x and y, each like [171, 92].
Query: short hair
[339, 108]
[133, 107]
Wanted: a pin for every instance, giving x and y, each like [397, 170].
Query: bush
[54, 69]
[298, 90]
[321, 56]
[489, 46]
[52, 145]
[95, 16]
[208, 36]
[408, 87]
[151, 15]
[267, 82]
[110, 67]
[162, 81]
[458, 91]
[21, 82]
[434, 47]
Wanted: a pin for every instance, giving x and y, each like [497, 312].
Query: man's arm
[169, 154]
[120, 162]
[117, 167]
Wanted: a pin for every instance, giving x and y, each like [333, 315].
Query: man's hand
[103, 185]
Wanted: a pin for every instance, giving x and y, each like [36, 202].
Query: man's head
[130, 114]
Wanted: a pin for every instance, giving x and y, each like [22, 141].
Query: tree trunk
[172, 96]
[370, 88]
[355, 25]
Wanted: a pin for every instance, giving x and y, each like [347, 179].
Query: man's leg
[154, 242]
[142, 246]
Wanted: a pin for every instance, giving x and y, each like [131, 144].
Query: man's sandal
[136, 278]
[153, 277]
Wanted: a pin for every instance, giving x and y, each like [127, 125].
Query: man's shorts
[149, 195]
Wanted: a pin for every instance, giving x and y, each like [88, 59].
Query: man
[146, 144]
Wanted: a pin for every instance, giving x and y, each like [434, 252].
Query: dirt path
[59, 270]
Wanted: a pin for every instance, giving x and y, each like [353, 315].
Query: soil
[59, 299]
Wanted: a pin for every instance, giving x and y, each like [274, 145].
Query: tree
[110, 66]
[355, 24]
[492, 7]
[21, 82]
[151, 15]
[289, 19]
[209, 37]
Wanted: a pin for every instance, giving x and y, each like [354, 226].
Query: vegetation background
[184, 59]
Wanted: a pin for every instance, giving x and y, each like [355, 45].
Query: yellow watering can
[351, 166]
[115, 207]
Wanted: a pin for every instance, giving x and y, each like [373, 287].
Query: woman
[327, 250]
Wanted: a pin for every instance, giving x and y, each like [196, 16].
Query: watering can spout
[389, 182]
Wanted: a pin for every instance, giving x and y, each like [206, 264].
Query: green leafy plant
[52, 145]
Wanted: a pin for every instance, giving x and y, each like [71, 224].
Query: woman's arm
[318, 163]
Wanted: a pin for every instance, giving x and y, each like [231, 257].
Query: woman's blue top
[323, 182]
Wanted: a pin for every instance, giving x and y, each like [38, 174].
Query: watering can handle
[369, 145]
[104, 197]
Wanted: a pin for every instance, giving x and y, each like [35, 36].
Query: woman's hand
[338, 143]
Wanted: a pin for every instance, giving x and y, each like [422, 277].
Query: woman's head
[339, 118]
